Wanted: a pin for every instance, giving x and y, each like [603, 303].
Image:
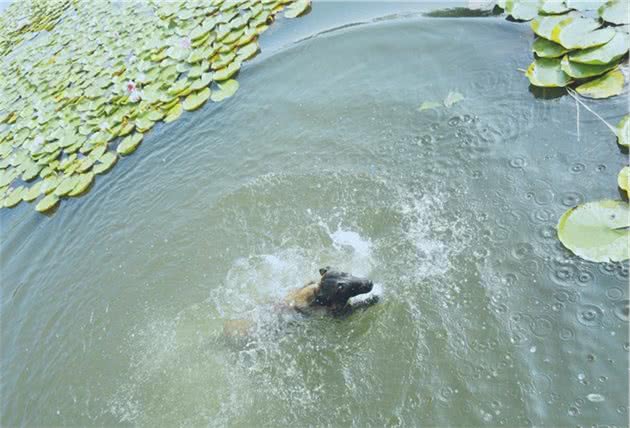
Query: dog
[330, 295]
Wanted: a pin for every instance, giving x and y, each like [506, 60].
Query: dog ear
[322, 271]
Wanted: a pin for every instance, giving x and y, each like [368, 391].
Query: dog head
[336, 287]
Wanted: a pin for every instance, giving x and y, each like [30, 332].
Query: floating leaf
[576, 32]
[47, 203]
[553, 7]
[83, 182]
[202, 82]
[522, 10]
[226, 90]
[453, 98]
[606, 86]
[605, 54]
[174, 113]
[584, 4]
[597, 231]
[196, 99]
[544, 25]
[623, 179]
[428, 105]
[615, 12]
[106, 162]
[227, 72]
[623, 131]
[583, 71]
[547, 49]
[129, 144]
[66, 185]
[546, 72]
[297, 8]
[33, 192]
[14, 198]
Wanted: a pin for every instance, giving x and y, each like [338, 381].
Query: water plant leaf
[106, 162]
[543, 25]
[584, 71]
[33, 192]
[623, 131]
[47, 203]
[580, 33]
[297, 8]
[608, 85]
[623, 179]
[453, 98]
[584, 4]
[174, 113]
[429, 105]
[547, 49]
[615, 12]
[226, 90]
[613, 50]
[547, 72]
[83, 182]
[14, 198]
[196, 99]
[553, 7]
[522, 10]
[129, 144]
[597, 231]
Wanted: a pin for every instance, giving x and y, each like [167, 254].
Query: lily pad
[615, 12]
[623, 179]
[553, 7]
[196, 99]
[584, 71]
[522, 10]
[547, 73]
[83, 182]
[597, 231]
[544, 25]
[623, 131]
[173, 113]
[226, 90]
[608, 85]
[547, 49]
[129, 144]
[613, 50]
[14, 198]
[106, 162]
[297, 8]
[581, 33]
[47, 203]
[32, 192]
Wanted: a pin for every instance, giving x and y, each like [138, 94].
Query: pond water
[112, 308]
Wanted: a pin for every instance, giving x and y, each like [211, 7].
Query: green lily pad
[297, 8]
[196, 99]
[615, 12]
[14, 198]
[608, 85]
[597, 231]
[522, 10]
[544, 25]
[173, 113]
[33, 192]
[202, 82]
[605, 54]
[227, 72]
[623, 131]
[623, 179]
[47, 203]
[584, 4]
[106, 162]
[581, 33]
[129, 144]
[547, 49]
[83, 182]
[547, 73]
[584, 71]
[226, 90]
[553, 7]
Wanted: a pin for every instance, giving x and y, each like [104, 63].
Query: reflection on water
[113, 309]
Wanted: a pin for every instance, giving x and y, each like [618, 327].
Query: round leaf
[226, 90]
[623, 179]
[623, 131]
[615, 12]
[129, 144]
[597, 231]
[547, 49]
[47, 203]
[605, 54]
[196, 99]
[546, 72]
[580, 33]
[583, 71]
[608, 85]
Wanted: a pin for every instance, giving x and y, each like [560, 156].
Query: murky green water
[112, 308]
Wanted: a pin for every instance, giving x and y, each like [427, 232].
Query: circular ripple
[622, 310]
[614, 293]
[522, 250]
[542, 326]
[547, 232]
[577, 168]
[518, 162]
[564, 275]
[566, 334]
[585, 278]
[571, 199]
[590, 315]
[542, 215]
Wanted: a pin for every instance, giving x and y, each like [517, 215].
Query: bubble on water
[566, 333]
[607, 268]
[623, 271]
[622, 310]
[577, 168]
[518, 162]
[564, 275]
[571, 199]
[454, 121]
[595, 398]
[590, 315]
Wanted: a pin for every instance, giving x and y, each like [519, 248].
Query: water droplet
[590, 315]
[595, 398]
[518, 162]
[577, 168]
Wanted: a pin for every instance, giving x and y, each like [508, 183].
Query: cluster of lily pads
[83, 81]
[583, 44]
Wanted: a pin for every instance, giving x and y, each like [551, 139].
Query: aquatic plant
[84, 81]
